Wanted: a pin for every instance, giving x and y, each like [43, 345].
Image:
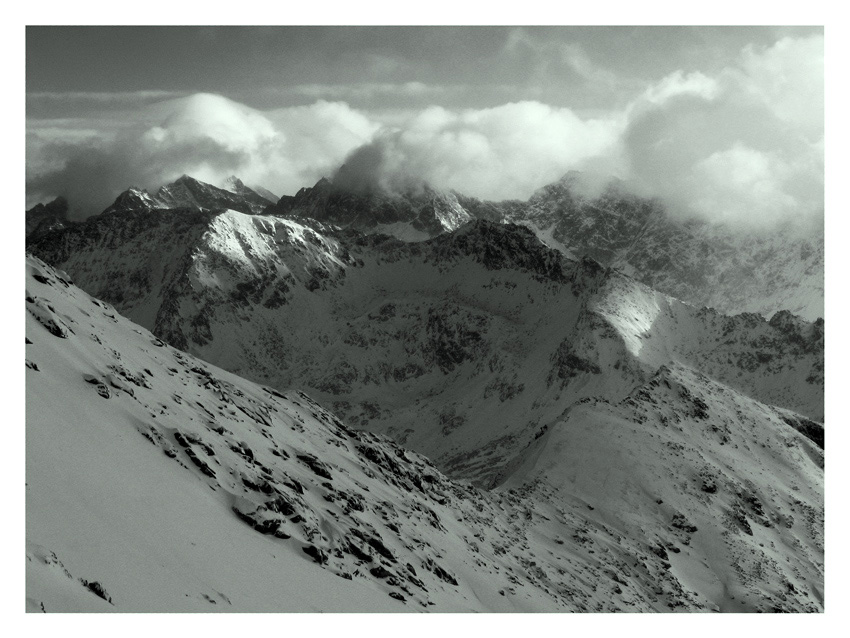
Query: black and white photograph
[410, 318]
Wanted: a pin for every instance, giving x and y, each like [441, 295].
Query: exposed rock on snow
[505, 331]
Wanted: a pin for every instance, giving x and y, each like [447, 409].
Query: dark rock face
[97, 589]
[42, 218]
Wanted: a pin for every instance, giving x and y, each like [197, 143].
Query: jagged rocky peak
[797, 328]
[133, 198]
[42, 218]
[235, 185]
[58, 207]
[186, 192]
[414, 212]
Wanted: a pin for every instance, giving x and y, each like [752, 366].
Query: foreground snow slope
[735, 495]
[462, 347]
[157, 482]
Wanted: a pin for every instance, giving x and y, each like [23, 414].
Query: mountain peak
[189, 192]
[233, 184]
[412, 214]
[44, 217]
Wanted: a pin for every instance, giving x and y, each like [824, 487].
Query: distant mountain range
[730, 269]
[187, 192]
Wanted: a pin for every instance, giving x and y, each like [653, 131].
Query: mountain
[414, 215]
[43, 218]
[236, 186]
[189, 193]
[159, 482]
[730, 269]
[464, 347]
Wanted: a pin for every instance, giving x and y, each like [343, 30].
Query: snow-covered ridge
[158, 482]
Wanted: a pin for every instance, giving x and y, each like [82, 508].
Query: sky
[725, 123]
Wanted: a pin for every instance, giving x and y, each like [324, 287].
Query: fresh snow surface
[159, 482]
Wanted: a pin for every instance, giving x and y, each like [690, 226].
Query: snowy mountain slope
[735, 493]
[778, 361]
[156, 482]
[187, 192]
[464, 347]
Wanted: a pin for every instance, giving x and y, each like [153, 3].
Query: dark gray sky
[726, 121]
[265, 67]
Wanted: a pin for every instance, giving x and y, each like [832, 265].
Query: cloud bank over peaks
[496, 153]
[742, 145]
[745, 146]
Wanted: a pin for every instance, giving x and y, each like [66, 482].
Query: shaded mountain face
[42, 218]
[412, 216]
[466, 347]
[187, 192]
[704, 264]
[205, 491]
[730, 269]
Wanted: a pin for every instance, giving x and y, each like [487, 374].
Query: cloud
[498, 153]
[554, 58]
[745, 146]
[366, 92]
[204, 135]
[742, 144]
